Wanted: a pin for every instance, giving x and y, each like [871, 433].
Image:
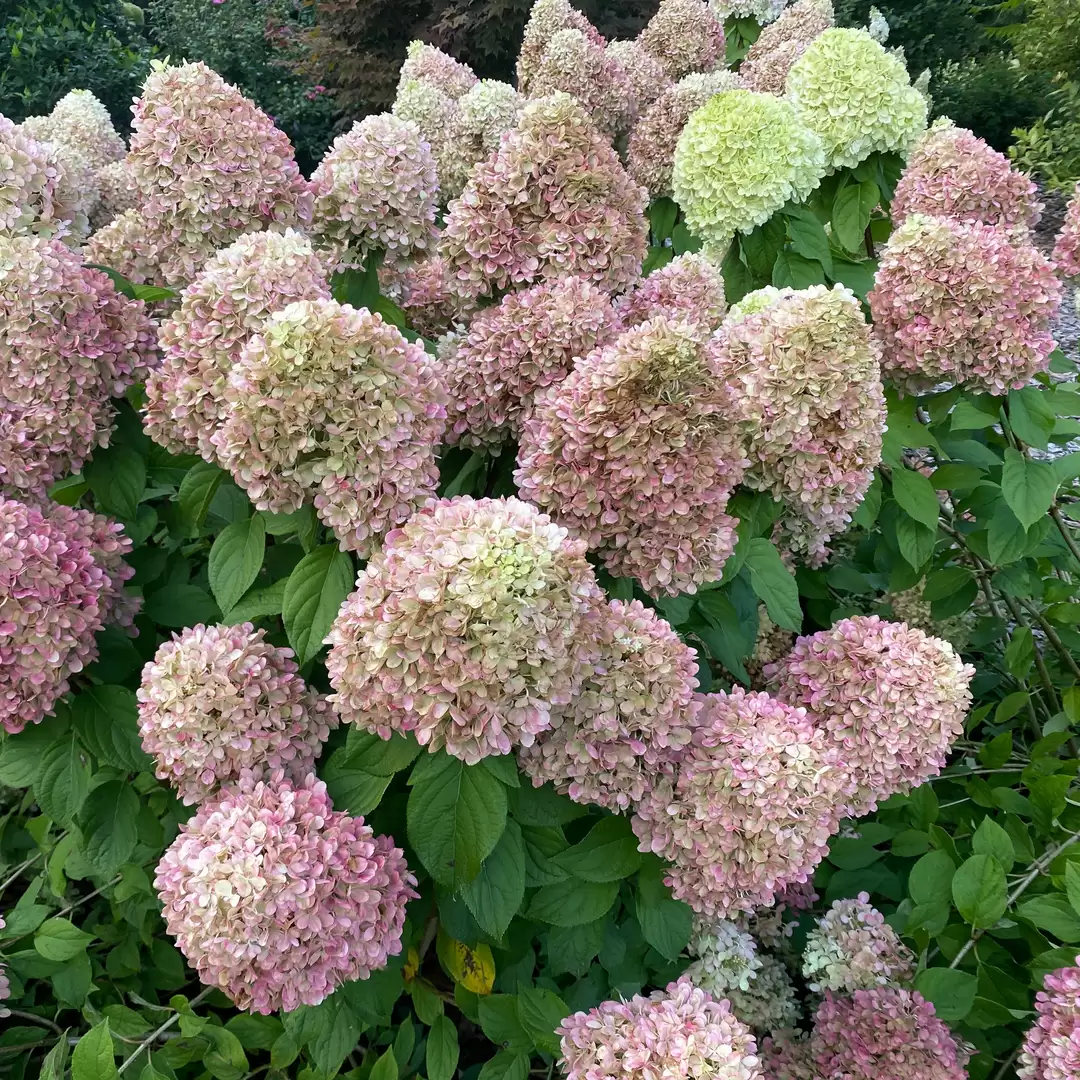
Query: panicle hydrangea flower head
[684, 36]
[677, 1032]
[856, 96]
[333, 402]
[883, 1034]
[471, 627]
[638, 451]
[645, 74]
[727, 957]
[376, 188]
[770, 58]
[553, 200]
[952, 173]
[525, 343]
[230, 300]
[634, 710]
[218, 703]
[808, 379]
[127, 245]
[208, 164]
[739, 158]
[890, 699]
[29, 178]
[431, 65]
[546, 19]
[61, 574]
[276, 899]
[69, 343]
[650, 153]
[575, 65]
[76, 191]
[1067, 246]
[787, 1055]
[962, 302]
[1052, 1044]
[79, 120]
[116, 193]
[486, 113]
[422, 291]
[689, 287]
[769, 1002]
[755, 797]
[854, 948]
[437, 118]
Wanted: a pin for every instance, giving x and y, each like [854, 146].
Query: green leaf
[979, 891]
[257, 604]
[571, 949]
[1020, 652]
[358, 286]
[662, 215]
[543, 807]
[1052, 913]
[738, 281]
[1031, 416]
[63, 780]
[915, 541]
[106, 719]
[456, 815]
[225, 1060]
[197, 491]
[386, 1068]
[998, 750]
[235, 560]
[1072, 884]
[108, 825]
[180, 605]
[505, 1066]
[930, 881]
[774, 583]
[500, 1022]
[382, 757]
[93, 1057]
[916, 496]
[314, 593]
[351, 788]
[541, 1012]
[1006, 539]
[991, 839]
[951, 991]
[151, 294]
[54, 1064]
[792, 269]
[117, 477]
[572, 902]
[61, 939]
[504, 768]
[608, 853]
[21, 758]
[851, 210]
[495, 894]
[1029, 486]
[442, 1049]
[666, 923]
[808, 237]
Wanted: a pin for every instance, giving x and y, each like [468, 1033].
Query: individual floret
[635, 710]
[331, 402]
[684, 36]
[769, 1003]
[276, 899]
[546, 19]
[431, 65]
[472, 627]
[29, 178]
[1067, 246]
[218, 703]
[891, 700]
[689, 287]
[727, 957]
[1052, 1045]
[645, 74]
[768, 61]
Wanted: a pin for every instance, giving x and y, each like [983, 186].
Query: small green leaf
[608, 853]
[792, 269]
[386, 1068]
[979, 891]
[235, 560]
[774, 583]
[1029, 486]
[572, 902]
[180, 605]
[930, 881]
[63, 780]
[61, 939]
[952, 992]
[505, 1066]
[117, 477]
[916, 496]
[258, 604]
[991, 839]
[442, 1049]
[851, 210]
[54, 1064]
[1031, 416]
[106, 719]
[666, 923]
[93, 1057]
[108, 825]
[541, 1012]
[197, 491]
[1054, 914]
[808, 237]
[314, 593]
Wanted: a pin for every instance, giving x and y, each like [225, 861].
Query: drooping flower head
[525, 343]
[883, 1034]
[29, 177]
[546, 19]
[689, 287]
[645, 74]
[61, 572]
[755, 797]
[739, 158]
[965, 303]
[116, 193]
[684, 36]
[69, 343]
[79, 120]
[230, 300]
[890, 699]
[218, 703]
[277, 899]
[856, 96]
[634, 711]
[553, 200]
[727, 957]
[769, 1002]
[638, 450]
[376, 189]
[332, 402]
[429, 64]
[677, 1032]
[471, 627]
[1052, 1044]
[1067, 247]
[768, 61]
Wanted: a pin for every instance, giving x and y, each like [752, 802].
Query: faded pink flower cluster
[218, 703]
[61, 579]
[277, 899]
[79, 120]
[890, 700]
[634, 711]
[963, 302]
[690, 287]
[429, 64]
[677, 1032]
[637, 450]
[1052, 1045]
[126, 244]
[471, 626]
[1067, 247]
[645, 74]
[770, 58]
[69, 343]
[332, 402]
[685, 36]
[29, 179]
[422, 291]
[755, 797]
[546, 19]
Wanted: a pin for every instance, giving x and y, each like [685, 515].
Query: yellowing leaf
[412, 965]
[471, 966]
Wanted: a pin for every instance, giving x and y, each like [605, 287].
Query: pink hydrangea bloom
[207, 163]
[553, 200]
[76, 190]
[677, 1032]
[883, 1034]
[332, 402]
[229, 301]
[525, 343]
[770, 58]
[546, 19]
[890, 699]
[633, 711]
[637, 450]
[786, 1055]
[689, 287]
[29, 179]
[953, 173]
[376, 190]
[685, 36]
[277, 899]
[431, 65]
[69, 343]
[963, 302]
[1067, 247]
[471, 627]
[218, 703]
[1052, 1045]
[645, 74]
[854, 948]
[128, 245]
[755, 797]
[116, 193]
[422, 291]
[61, 575]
